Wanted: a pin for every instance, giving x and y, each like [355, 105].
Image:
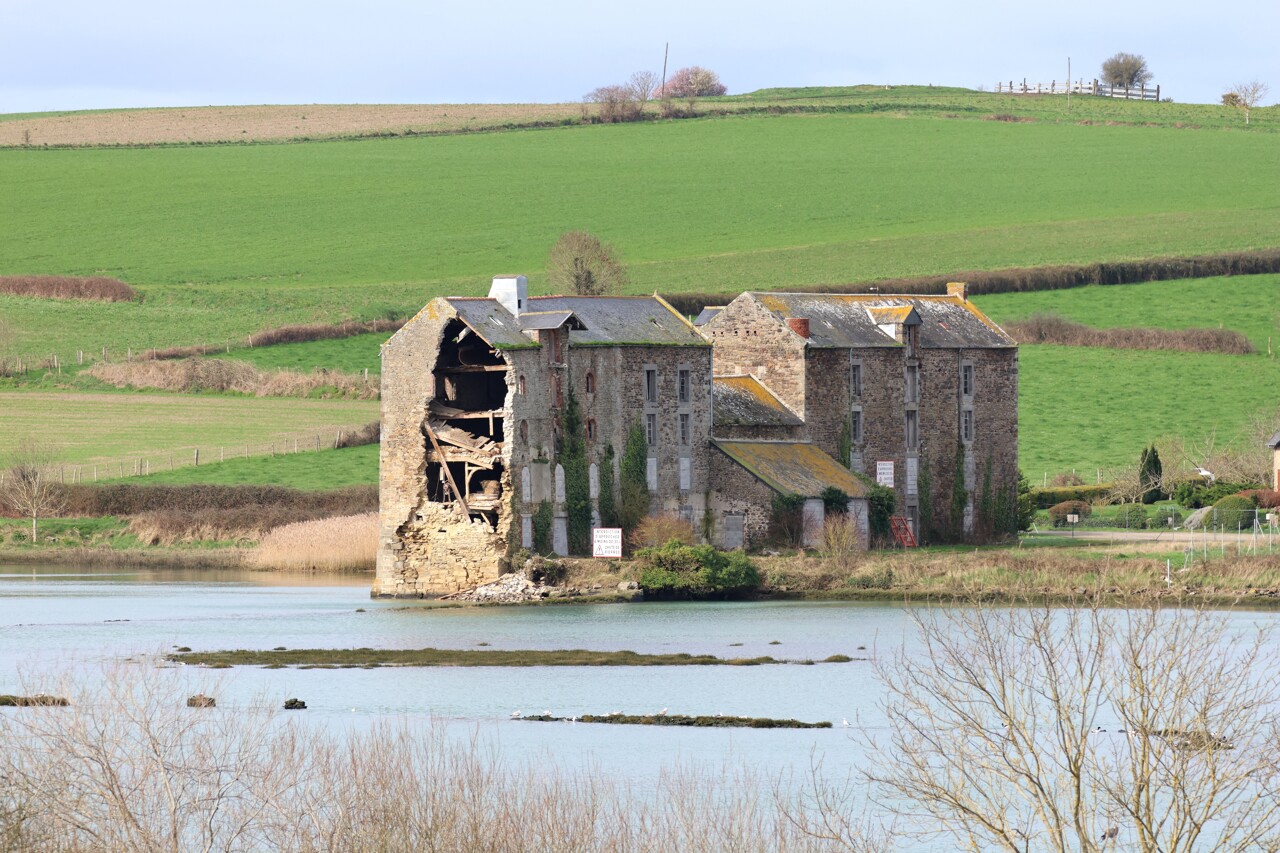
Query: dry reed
[227, 375]
[345, 543]
[128, 767]
[96, 288]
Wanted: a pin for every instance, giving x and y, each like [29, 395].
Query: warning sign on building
[606, 543]
[884, 473]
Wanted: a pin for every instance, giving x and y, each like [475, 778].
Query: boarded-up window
[913, 429]
[732, 532]
[651, 473]
[686, 475]
[651, 386]
[913, 384]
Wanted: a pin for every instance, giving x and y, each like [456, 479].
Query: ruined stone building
[775, 393]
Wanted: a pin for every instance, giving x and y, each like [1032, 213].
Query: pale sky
[86, 54]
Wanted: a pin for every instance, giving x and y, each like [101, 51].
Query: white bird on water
[515, 715]
[844, 722]
[662, 713]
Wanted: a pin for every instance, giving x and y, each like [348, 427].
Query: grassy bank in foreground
[346, 658]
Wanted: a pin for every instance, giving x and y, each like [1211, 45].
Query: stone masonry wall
[749, 341]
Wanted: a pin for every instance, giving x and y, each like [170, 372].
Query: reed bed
[191, 375]
[128, 767]
[344, 543]
[97, 288]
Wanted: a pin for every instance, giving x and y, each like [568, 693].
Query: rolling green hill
[842, 185]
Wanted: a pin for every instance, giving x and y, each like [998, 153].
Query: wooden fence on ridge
[1079, 87]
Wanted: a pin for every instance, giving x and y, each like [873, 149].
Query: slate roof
[705, 316]
[742, 401]
[622, 320]
[531, 321]
[840, 320]
[490, 321]
[792, 467]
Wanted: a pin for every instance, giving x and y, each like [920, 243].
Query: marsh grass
[196, 375]
[339, 658]
[128, 767]
[681, 720]
[341, 543]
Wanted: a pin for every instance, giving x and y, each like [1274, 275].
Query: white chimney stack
[511, 291]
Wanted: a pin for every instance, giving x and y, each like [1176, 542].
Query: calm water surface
[57, 619]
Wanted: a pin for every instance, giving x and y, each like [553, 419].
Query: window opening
[651, 385]
[591, 383]
[683, 385]
[966, 380]
[913, 430]
[684, 429]
[651, 429]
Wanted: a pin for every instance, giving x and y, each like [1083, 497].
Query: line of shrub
[1045, 498]
[1052, 329]
[88, 500]
[1029, 279]
[98, 288]
[190, 375]
[297, 334]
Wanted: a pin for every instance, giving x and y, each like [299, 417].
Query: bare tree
[1245, 96]
[617, 103]
[1083, 729]
[1127, 70]
[643, 84]
[580, 263]
[29, 486]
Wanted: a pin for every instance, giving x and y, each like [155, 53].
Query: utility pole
[1068, 84]
[665, 49]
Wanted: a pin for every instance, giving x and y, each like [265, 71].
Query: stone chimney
[511, 291]
[799, 325]
[958, 288]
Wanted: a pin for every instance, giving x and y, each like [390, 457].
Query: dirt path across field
[270, 123]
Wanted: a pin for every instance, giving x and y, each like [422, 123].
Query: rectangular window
[651, 386]
[855, 380]
[651, 429]
[966, 380]
[966, 425]
[855, 427]
[913, 430]
[682, 383]
[684, 429]
[913, 384]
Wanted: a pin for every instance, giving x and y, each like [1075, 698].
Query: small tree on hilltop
[580, 263]
[1245, 96]
[643, 86]
[28, 486]
[1126, 70]
[695, 81]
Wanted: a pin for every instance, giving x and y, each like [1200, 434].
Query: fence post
[1157, 93]
[104, 355]
[196, 458]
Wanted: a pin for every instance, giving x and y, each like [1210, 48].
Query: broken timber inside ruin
[775, 393]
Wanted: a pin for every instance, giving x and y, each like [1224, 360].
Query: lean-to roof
[743, 401]
[792, 467]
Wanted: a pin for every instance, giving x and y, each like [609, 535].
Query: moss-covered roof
[792, 467]
[742, 401]
[844, 320]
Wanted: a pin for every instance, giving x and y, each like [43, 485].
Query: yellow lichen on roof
[891, 314]
[792, 467]
[967, 304]
[749, 385]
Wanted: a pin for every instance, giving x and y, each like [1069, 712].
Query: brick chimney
[799, 325]
[958, 288]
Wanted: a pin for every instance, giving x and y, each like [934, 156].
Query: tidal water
[59, 619]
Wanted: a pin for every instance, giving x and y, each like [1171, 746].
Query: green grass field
[311, 471]
[1246, 304]
[83, 429]
[223, 241]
